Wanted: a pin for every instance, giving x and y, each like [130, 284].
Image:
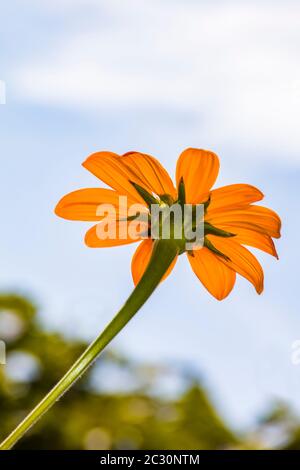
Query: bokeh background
[155, 76]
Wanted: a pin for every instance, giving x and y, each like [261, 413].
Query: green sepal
[167, 199]
[206, 204]
[148, 198]
[208, 244]
[181, 193]
[211, 230]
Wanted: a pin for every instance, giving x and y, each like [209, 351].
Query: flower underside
[224, 221]
[166, 201]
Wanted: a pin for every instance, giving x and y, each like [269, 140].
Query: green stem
[163, 254]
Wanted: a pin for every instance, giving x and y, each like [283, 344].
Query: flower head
[230, 219]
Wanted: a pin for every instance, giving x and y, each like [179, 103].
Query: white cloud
[236, 63]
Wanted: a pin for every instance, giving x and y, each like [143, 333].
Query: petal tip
[259, 289]
[86, 240]
[56, 210]
[85, 162]
[89, 238]
[221, 297]
[59, 209]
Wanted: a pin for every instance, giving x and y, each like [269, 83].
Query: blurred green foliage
[90, 417]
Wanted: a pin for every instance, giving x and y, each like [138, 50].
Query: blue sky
[158, 77]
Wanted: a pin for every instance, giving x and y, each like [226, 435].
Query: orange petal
[233, 196]
[121, 234]
[151, 174]
[258, 240]
[257, 218]
[216, 277]
[241, 260]
[199, 170]
[110, 169]
[84, 204]
[141, 259]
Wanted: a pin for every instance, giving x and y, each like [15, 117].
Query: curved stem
[163, 254]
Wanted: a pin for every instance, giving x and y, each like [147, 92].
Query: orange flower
[231, 219]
